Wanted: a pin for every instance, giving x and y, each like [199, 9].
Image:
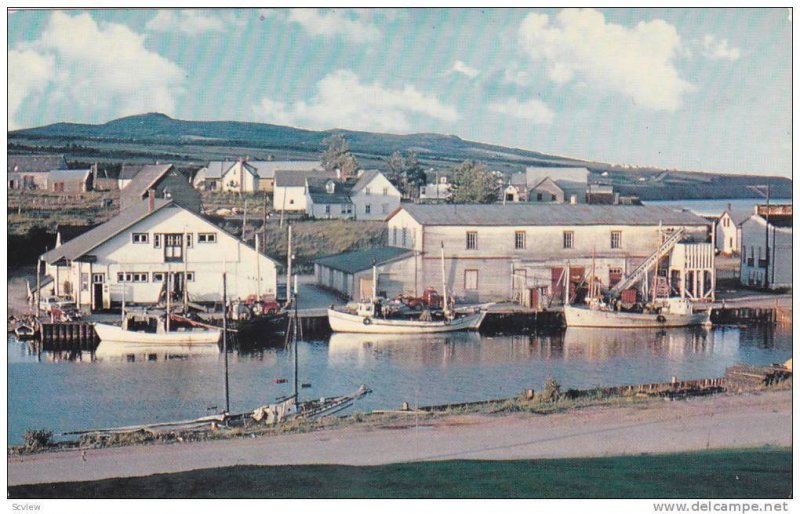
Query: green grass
[750, 473]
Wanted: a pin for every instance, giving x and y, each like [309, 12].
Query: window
[569, 239]
[405, 232]
[291, 202]
[367, 191]
[616, 239]
[98, 278]
[367, 209]
[539, 196]
[207, 237]
[140, 277]
[519, 240]
[140, 237]
[190, 276]
[472, 240]
[394, 236]
[471, 279]
[553, 197]
[173, 247]
[189, 241]
[84, 281]
[385, 191]
[156, 240]
[124, 277]
[158, 276]
[327, 209]
[344, 210]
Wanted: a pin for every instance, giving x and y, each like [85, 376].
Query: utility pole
[225, 338]
[766, 232]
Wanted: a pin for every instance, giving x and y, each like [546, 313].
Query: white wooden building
[134, 253]
[766, 248]
[500, 252]
[350, 274]
[247, 175]
[728, 231]
[369, 197]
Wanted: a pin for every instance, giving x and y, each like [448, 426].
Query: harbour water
[70, 391]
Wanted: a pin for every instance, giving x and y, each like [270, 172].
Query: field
[748, 473]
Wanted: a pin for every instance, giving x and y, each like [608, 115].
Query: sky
[691, 89]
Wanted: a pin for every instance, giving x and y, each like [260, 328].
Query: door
[97, 291]
[576, 279]
[365, 287]
[556, 284]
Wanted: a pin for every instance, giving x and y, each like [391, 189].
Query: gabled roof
[145, 179]
[738, 216]
[353, 262]
[216, 169]
[364, 180]
[290, 178]
[86, 242]
[35, 163]
[531, 214]
[81, 175]
[129, 171]
[317, 190]
[267, 169]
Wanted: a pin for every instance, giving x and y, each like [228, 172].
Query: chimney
[729, 206]
[151, 200]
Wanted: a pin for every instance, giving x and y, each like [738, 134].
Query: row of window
[400, 237]
[348, 208]
[368, 192]
[173, 239]
[520, 239]
[156, 276]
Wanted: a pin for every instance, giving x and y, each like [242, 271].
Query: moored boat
[673, 312]
[368, 324]
[112, 333]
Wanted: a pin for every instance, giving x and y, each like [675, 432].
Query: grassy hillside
[190, 144]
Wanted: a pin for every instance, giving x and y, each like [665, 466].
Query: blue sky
[702, 89]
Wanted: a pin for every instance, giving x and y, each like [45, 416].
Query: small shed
[350, 274]
[70, 181]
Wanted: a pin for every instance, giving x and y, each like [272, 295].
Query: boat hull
[344, 322]
[575, 316]
[114, 334]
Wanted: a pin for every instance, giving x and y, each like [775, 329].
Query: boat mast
[374, 281]
[296, 321]
[185, 273]
[225, 337]
[444, 285]
[169, 294]
[289, 267]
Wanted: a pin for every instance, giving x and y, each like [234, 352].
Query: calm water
[64, 392]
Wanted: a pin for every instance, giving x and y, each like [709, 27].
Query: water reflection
[132, 352]
[468, 348]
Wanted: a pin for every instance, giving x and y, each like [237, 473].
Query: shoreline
[711, 422]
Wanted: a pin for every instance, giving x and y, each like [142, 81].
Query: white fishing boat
[369, 317]
[675, 312]
[149, 329]
[363, 323]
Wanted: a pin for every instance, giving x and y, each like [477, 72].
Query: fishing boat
[370, 317]
[148, 329]
[670, 312]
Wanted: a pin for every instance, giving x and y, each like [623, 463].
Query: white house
[766, 248]
[247, 176]
[289, 194]
[728, 231]
[439, 191]
[513, 251]
[369, 197]
[133, 255]
[535, 174]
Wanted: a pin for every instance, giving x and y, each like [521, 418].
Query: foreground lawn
[754, 473]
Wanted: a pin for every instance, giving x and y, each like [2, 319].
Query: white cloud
[101, 71]
[343, 101]
[533, 110]
[28, 73]
[635, 61]
[191, 21]
[350, 24]
[719, 49]
[464, 69]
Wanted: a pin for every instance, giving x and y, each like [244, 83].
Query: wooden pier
[68, 336]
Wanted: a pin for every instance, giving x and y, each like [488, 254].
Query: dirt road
[714, 422]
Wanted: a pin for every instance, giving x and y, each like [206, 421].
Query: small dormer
[330, 187]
